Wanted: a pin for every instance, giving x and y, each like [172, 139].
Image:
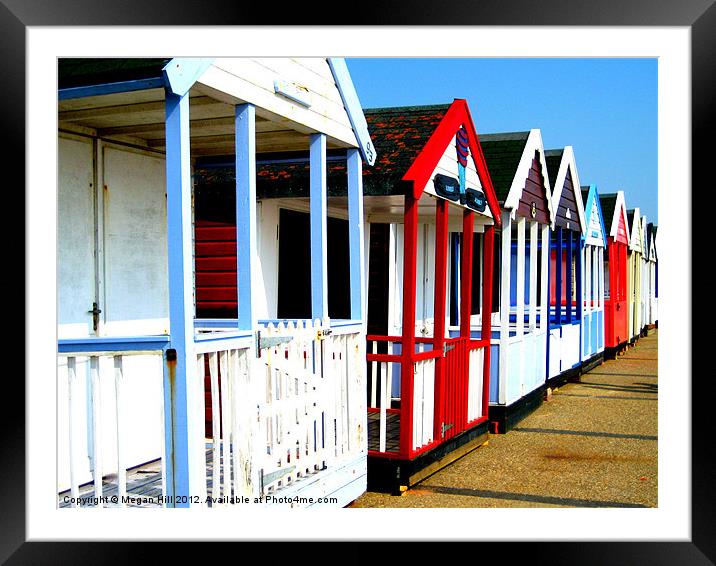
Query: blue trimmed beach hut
[288, 400]
[566, 275]
[593, 244]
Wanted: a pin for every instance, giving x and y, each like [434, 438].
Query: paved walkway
[594, 444]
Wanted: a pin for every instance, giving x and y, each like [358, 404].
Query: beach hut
[564, 341]
[635, 267]
[431, 214]
[616, 333]
[652, 275]
[426, 199]
[288, 418]
[518, 170]
[594, 242]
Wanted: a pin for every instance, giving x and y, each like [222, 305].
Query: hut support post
[544, 290]
[441, 244]
[462, 377]
[246, 256]
[466, 275]
[570, 279]
[579, 297]
[533, 276]
[505, 303]
[520, 276]
[318, 220]
[185, 461]
[520, 295]
[354, 167]
[558, 254]
[410, 238]
[488, 257]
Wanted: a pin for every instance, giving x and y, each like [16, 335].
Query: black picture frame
[698, 15]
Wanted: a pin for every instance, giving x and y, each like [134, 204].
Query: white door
[136, 299]
[76, 238]
[112, 254]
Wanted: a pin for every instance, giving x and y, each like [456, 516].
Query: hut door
[112, 241]
[134, 285]
[76, 243]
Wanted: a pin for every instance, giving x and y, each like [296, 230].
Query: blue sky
[605, 108]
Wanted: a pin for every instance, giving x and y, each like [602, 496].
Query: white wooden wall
[125, 225]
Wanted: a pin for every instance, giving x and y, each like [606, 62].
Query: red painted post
[441, 241]
[468, 220]
[488, 247]
[408, 340]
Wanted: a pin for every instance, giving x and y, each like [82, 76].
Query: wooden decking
[144, 486]
[392, 434]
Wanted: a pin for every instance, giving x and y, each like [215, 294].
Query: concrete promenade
[593, 444]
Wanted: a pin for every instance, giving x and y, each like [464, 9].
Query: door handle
[95, 316]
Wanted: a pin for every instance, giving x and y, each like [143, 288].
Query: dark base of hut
[505, 418]
[559, 380]
[396, 476]
[591, 363]
[610, 353]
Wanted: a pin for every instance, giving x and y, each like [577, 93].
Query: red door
[615, 305]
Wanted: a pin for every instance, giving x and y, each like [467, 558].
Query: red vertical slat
[408, 339]
[441, 241]
[468, 220]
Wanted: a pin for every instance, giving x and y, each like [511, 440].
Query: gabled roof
[636, 237]
[400, 134]
[456, 117]
[651, 235]
[558, 173]
[553, 157]
[408, 141]
[509, 157]
[591, 199]
[503, 153]
[613, 204]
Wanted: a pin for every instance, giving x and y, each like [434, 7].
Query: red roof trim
[424, 164]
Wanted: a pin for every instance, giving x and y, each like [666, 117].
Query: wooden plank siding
[567, 202]
[534, 191]
[215, 253]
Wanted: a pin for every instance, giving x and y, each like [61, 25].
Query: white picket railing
[475, 384]
[87, 422]
[423, 400]
[286, 405]
[232, 415]
[309, 402]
